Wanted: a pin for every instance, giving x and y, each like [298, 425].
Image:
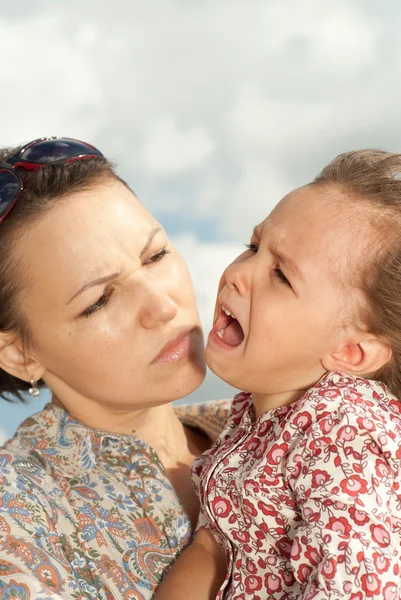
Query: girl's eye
[280, 275]
[103, 300]
[252, 247]
[158, 256]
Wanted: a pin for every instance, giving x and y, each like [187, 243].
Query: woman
[96, 497]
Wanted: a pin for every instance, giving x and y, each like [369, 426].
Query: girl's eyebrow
[285, 260]
[288, 263]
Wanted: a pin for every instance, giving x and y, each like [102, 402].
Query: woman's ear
[16, 362]
[359, 357]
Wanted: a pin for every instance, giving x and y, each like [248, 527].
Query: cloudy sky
[212, 110]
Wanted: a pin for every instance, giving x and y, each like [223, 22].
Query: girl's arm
[198, 573]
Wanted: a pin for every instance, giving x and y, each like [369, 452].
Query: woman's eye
[252, 247]
[104, 298]
[280, 275]
[157, 256]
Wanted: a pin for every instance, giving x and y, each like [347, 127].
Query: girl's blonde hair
[373, 178]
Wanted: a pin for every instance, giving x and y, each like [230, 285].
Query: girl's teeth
[227, 312]
[220, 333]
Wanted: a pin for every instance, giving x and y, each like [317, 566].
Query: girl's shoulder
[344, 409]
[341, 392]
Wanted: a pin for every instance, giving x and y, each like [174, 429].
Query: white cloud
[336, 38]
[260, 188]
[211, 100]
[49, 85]
[169, 151]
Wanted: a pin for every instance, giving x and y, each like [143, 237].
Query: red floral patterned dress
[306, 499]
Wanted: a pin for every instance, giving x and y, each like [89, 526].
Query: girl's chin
[221, 368]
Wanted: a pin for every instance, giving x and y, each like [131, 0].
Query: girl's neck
[263, 403]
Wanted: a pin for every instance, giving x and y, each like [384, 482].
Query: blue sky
[212, 110]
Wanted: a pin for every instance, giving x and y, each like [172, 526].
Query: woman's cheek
[178, 280]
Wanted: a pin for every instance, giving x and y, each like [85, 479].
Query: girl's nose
[157, 308]
[237, 277]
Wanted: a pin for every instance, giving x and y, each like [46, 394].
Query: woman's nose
[237, 277]
[157, 308]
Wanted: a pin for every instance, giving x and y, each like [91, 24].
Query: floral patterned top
[306, 499]
[89, 514]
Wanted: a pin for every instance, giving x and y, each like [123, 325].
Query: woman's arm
[198, 573]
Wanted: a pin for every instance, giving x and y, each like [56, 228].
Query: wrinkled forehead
[80, 236]
[324, 231]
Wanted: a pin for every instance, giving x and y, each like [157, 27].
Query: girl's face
[110, 303]
[286, 294]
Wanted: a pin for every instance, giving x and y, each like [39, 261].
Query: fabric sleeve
[347, 543]
[202, 522]
[36, 560]
[27, 570]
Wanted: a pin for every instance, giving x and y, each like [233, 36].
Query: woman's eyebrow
[106, 278]
[149, 240]
[93, 283]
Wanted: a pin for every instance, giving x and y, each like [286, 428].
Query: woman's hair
[42, 190]
[372, 178]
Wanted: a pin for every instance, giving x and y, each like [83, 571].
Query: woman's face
[110, 303]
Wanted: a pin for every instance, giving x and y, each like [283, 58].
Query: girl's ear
[361, 357]
[16, 362]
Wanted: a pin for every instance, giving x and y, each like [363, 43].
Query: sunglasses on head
[34, 155]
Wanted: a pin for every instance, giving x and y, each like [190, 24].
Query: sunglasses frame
[17, 160]
[13, 201]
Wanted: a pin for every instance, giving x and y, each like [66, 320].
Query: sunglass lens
[48, 151]
[10, 186]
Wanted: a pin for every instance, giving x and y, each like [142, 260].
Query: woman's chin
[186, 383]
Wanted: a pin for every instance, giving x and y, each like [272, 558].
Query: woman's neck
[157, 426]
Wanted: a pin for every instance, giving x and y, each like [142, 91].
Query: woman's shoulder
[210, 417]
[22, 463]
[28, 491]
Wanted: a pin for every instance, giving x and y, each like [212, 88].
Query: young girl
[300, 495]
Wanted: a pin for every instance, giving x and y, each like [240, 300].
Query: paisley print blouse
[88, 514]
[306, 499]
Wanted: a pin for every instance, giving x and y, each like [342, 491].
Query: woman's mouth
[228, 329]
[181, 345]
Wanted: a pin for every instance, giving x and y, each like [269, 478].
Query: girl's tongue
[229, 330]
[233, 334]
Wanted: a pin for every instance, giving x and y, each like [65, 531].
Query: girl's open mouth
[228, 329]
